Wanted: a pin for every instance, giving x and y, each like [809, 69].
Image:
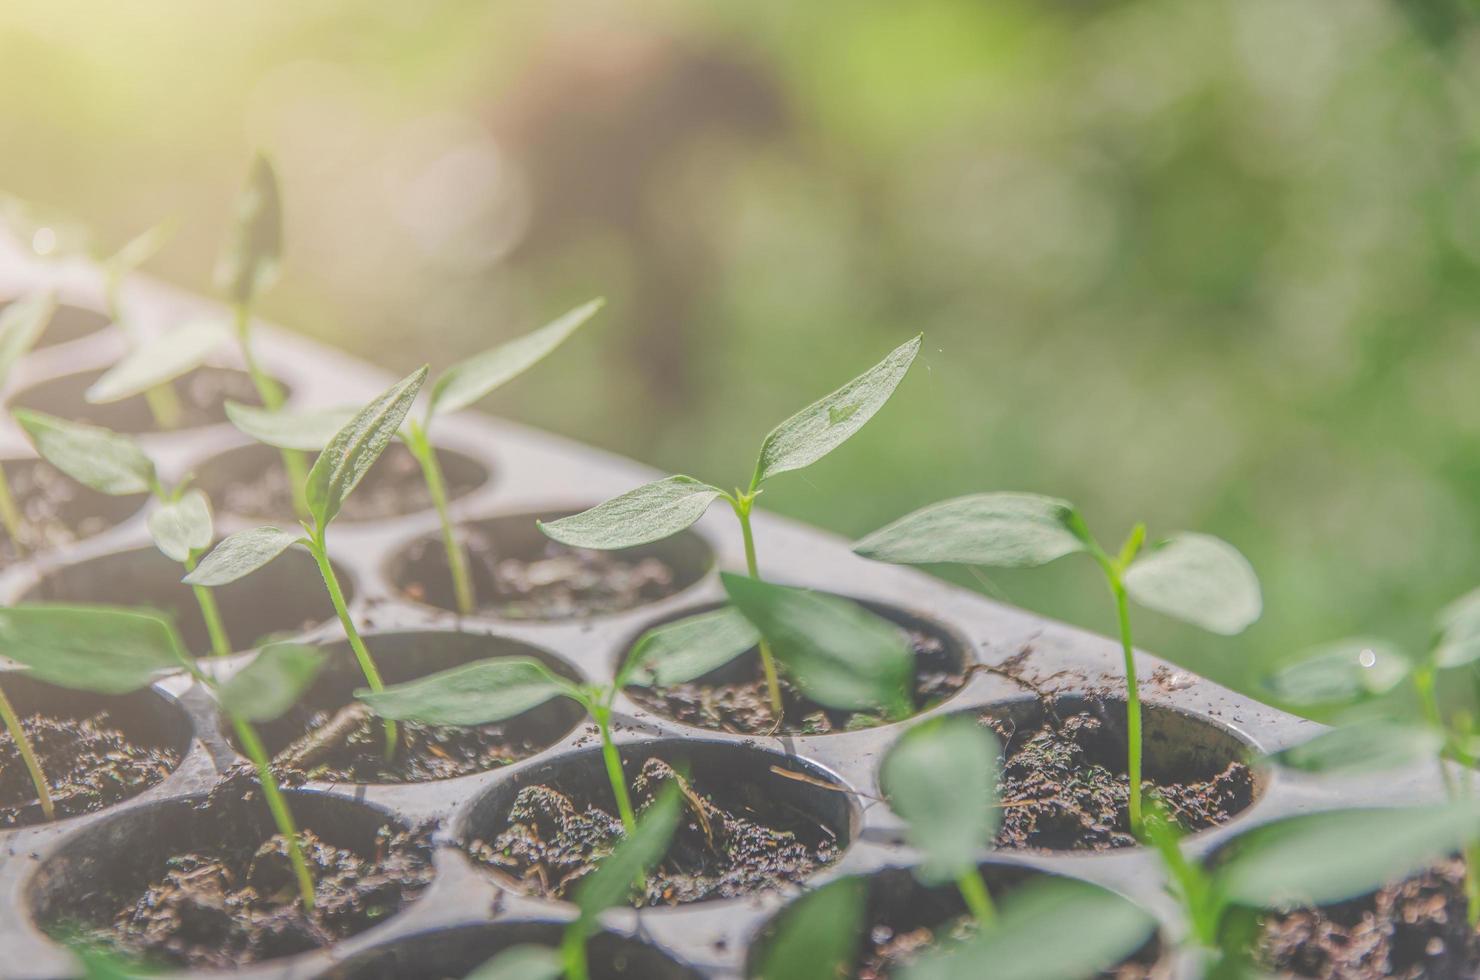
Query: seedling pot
[203, 394]
[58, 511]
[69, 323]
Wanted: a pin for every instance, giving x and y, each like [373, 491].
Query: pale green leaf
[651, 512]
[839, 654]
[818, 937]
[1373, 745]
[356, 447]
[90, 648]
[309, 431]
[1459, 632]
[465, 383]
[1003, 530]
[1340, 673]
[240, 555]
[470, 694]
[249, 262]
[688, 648]
[159, 360]
[827, 423]
[941, 777]
[182, 527]
[522, 962]
[611, 882]
[271, 683]
[22, 322]
[95, 457]
[1200, 579]
[141, 248]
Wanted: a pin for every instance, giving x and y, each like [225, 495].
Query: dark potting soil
[1063, 785]
[552, 840]
[88, 764]
[886, 950]
[57, 510]
[1414, 929]
[743, 706]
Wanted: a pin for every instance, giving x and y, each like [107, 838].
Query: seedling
[117, 651]
[335, 474]
[458, 387]
[114, 464]
[604, 888]
[1193, 577]
[21, 325]
[664, 508]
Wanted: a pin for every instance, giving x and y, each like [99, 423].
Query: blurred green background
[1210, 263]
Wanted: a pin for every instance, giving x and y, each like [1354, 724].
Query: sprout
[21, 325]
[1193, 577]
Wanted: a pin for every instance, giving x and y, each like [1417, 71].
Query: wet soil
[57, 510]
[734, 698]
[203, 394]
[1063, 784]
[887, 950]
[88, 763]
[1414, 929]
[552, 840]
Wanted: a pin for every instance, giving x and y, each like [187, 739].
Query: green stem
[271, 396]
[1424, 680]
[742, 504]
[319, 548]
[573, 951]
[246, 735]
[164, 405]
[613, 759]
[28, 756]
[457, 559]
[978, 899]
[1112, 569]
[10, 517]
[211, 613]
[1428, 699]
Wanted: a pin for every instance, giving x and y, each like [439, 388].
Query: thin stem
[573, 951]
[164, 406]
[1428, 699]
[211, 613]
[457, 559]
[295, 466]
[742, 505]
[1132, 705]
[613, 759]
[1424, 683]
[320, 551]
[10, 517]
[246, 735]
[978, 899]
[28, 756]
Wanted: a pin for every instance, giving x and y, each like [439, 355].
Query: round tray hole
[69, 323]
[58, 510]
[202, 392]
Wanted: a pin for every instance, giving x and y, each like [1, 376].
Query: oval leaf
[239, 555]
[941, 777]
[1045, 930]
[1340, 673]
[182, 527]
[254, 245]
[95, 457]
[90, 648]
[818, 936]
[612, 880]
[827, 423]
[1003, 530]
[840, 654]
[22, 322]
[158, 361]
[355, 448]
[472, 694]
[522, 962]
[271, 684]
[1368, 746]
[463, 384]
[650, 513]
[309, 431]
[688, 648]
[1199, 579]
[1320, 858]
[1459, 632]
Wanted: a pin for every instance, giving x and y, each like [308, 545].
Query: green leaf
[1058, 929]
[159, 360]
[471, 694]
[95, 457]
[239, 555]
[356, 447]
[141, 248]
[611, 882]
[1200, 579]
[1373, 745]
[1459, 632]
[818, 936]
[1003, 530]
[309, 431]
[271, 684]
[688, 648]
[90, 648]
[463, 384]
[22, 323]
[182, 527]
[840, 654]
[941, 777]
[827, 423]
[523, 962]
[1320, 858]
[650, 513]
[1340, 673]
[254, 245]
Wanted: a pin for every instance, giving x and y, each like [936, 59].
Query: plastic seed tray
[469, 912]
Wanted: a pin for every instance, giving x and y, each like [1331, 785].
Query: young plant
[458, 387]
[117, 651]
[819, 934]
[335, 474]
[604, 888]
[114, 464]
[664, 508]
[21, 325]
[1193, 577]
